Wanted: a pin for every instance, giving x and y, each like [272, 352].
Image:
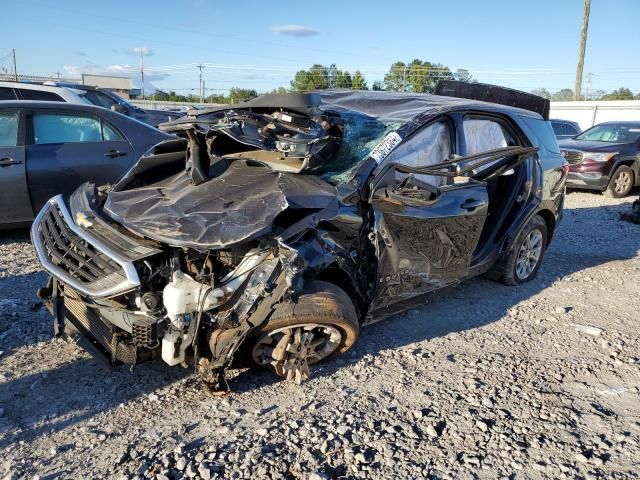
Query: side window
[98, 98]
[109, 134]
[65, 128]
[39, 95]
[557, 128]
[7, 93]
[570, 130]
[429, 146]
[8, 129]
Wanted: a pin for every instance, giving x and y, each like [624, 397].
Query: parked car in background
[41, 92]
[82, 94]
[107, 99]
[48, 148]
[565, 128]
[605, 157]
[291, 220]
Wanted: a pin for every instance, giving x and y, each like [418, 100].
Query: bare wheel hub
[290, 350]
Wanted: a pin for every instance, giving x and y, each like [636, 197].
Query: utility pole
[583, 45]
[142, 70]
[200, 67]
[589, 75]
[15, 69]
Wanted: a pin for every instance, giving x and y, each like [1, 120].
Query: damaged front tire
[320, 323]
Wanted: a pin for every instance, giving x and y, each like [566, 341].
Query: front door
[15, 203]
[424, 240]
[67, 149]
[425, 227]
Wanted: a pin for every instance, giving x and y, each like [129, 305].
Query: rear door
[67, 148]
[15, 203]
[426, 228]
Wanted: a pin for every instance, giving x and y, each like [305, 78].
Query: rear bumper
[587, 180]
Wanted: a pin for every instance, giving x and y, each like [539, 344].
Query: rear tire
[321, 323]
[524, 261]
[621, 182]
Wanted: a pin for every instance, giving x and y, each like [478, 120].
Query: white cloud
[144, 51]
[295, 30]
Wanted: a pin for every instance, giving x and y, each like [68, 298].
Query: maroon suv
[606, 157]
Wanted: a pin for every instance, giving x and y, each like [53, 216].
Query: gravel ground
[490, 381]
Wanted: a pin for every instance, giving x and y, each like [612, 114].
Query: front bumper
[587, 180]
[76, 321]
[76, 258]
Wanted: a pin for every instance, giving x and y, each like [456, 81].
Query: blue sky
[517, 43]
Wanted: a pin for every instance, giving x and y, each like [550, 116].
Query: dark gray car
[276, 228]
[51, 147]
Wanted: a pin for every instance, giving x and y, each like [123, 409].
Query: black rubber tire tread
[610, 192]
[323, 303]
[509, 276]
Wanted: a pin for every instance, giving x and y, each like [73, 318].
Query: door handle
[115, 153]
[471, 204]
[7, 161]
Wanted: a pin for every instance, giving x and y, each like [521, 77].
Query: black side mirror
[116, 107]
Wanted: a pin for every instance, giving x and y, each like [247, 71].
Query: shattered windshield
[361, 135]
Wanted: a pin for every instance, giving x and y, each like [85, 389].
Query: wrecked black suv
[270, 231]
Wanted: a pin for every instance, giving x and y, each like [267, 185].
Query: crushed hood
[239, 204]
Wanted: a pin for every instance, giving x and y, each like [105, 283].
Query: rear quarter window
[39, 95]
[540, 133]
[7, 93]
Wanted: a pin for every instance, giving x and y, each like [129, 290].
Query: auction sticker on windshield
[383, 149]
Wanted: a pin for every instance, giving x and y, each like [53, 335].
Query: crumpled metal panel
[233, 207]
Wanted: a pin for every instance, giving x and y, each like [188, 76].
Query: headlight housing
[599, 157]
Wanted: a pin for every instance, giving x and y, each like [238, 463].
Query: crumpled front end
[135, 299]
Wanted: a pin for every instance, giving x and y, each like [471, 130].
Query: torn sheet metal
[233, 207]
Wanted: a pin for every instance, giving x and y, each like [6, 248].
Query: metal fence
[158, 105]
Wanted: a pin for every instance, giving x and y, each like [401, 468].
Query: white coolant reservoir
[183, 297]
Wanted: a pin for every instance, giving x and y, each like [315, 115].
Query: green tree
[377, 86]
[463, 75]
[280, 90]
[564, 95]
[418, 76]
[622, 93]
[316, 78]
[541, 92]
[358, 81]
[237, 94]
[395, 78]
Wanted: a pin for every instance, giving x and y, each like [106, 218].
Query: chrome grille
[70, 254]
[572, 156]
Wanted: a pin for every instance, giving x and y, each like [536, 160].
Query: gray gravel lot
[490, 381]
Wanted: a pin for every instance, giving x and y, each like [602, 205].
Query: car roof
[37, 86]
[624, 123]
[387, 106]
[563, 120]
[46, 104]
[403, 107]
